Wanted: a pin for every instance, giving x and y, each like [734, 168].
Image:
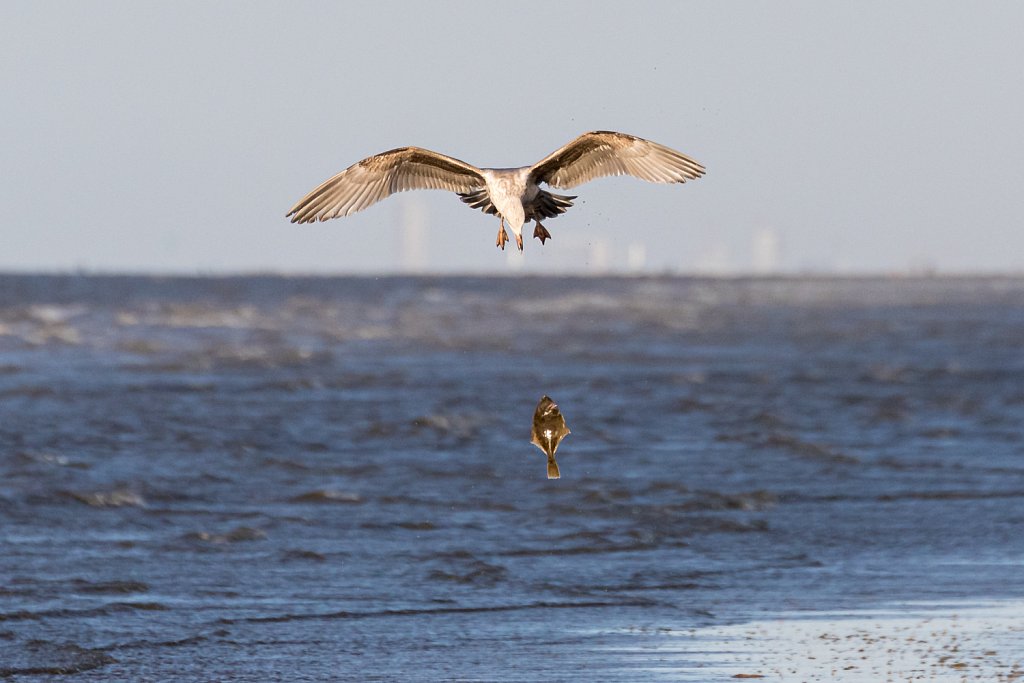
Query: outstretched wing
[479, 199]
[372, 179]
[606, 153]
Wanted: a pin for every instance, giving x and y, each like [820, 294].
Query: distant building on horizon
[413, 254]
[765, 251]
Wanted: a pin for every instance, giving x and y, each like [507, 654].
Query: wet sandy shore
[916, 642]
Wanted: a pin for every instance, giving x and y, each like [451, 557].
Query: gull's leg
[519, 241]
[502, 235]
[541, 233]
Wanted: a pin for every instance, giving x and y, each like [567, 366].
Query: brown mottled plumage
[513, 194]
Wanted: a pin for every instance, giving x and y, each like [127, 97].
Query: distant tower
[600, 256]
[765, 251]
[413, 245]
[636, 257]
[514, 260]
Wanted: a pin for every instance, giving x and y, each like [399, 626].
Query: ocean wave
[241, 534]
[429, 611]
[328, 496]
[113, 498]
[41, 658]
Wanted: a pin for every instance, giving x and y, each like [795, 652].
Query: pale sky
[173, 137]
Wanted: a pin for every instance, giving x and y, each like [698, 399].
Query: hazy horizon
[513, 273]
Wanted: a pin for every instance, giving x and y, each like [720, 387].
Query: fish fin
[553, 472]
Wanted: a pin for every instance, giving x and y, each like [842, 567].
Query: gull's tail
[553, 472]
[545, 204]
[548, 204]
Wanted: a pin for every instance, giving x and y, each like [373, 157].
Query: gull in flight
[513, 194]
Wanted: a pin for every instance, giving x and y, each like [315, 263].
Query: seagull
[513, 194]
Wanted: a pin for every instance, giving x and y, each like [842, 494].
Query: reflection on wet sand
[907, 642]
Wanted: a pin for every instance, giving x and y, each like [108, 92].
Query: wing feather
[605, 153]
[371, 180]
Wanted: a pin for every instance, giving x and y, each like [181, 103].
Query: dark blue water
[254, 479]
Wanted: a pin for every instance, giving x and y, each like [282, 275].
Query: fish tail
[553, 472]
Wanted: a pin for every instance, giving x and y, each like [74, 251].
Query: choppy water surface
[252, 479]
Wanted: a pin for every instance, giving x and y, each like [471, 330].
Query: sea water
[271, 478]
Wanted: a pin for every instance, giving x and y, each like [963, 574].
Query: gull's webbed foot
[502, 236]
[519, 241]
[541, 233]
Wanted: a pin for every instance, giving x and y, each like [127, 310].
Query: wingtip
[297, 216]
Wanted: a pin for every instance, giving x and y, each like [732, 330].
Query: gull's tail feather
[544, 205]
[548, 205]
[553, 472]
[479, 199]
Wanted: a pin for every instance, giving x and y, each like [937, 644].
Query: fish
[549, 429]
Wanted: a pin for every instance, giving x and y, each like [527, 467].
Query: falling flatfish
[548, 431]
